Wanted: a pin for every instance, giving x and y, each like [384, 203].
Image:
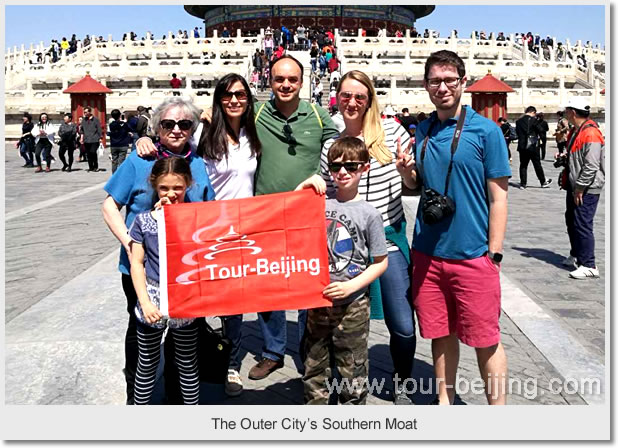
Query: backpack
[512, 134]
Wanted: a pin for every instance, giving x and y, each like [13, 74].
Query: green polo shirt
[284, 165]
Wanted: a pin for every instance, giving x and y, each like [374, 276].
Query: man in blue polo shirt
[456, 250]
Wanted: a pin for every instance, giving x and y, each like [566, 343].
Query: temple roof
[201, 10]
[87, 85]
[489, 84]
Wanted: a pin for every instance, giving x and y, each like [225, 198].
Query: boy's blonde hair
[349, 148]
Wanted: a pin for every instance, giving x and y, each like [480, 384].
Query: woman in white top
[381, 187]
[230, 147]
[44, 133]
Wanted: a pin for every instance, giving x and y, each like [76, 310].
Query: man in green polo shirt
[292, 132]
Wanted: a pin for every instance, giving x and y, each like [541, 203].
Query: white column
[144, 90]
[562, 96]
[29, 92]
[524, 92]
[392, 92]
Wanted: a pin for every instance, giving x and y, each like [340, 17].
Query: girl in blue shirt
[170, 179]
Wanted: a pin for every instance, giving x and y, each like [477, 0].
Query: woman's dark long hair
[213, 141]
[41, 121]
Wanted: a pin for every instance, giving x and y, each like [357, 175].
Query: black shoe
[547, 183]
[68, 169]
[64, 168]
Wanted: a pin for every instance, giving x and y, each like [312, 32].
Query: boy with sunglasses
[357, 256]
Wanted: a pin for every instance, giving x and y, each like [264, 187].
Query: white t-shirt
[233, 178]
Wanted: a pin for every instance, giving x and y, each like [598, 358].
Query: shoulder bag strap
[454, 144]
[317, 115]
[259, 112]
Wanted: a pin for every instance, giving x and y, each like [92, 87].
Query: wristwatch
[495, 256]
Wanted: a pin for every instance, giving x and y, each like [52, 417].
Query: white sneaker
[570, 261]
[233, 383]
[583, 272]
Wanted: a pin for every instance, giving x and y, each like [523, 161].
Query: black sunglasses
[350, 167]
[287, 131]
[240, 95]
[183, 125]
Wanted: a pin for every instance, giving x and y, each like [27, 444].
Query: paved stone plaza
[65, 311]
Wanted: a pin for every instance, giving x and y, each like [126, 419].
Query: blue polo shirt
[129, 187]
[481, 155]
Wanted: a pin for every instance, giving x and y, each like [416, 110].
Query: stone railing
[128, 59]
[405, 56]
[150, 62]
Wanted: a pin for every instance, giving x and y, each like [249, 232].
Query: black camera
[561, 161]
[435, 206]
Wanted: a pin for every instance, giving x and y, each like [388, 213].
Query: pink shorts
[457, 296]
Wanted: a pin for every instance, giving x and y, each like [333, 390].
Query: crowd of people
[241, 148]
[85, 135]
[218, 151]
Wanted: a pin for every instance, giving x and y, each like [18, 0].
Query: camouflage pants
[343, 333]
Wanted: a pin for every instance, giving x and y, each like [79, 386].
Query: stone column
[562, 96]
[144, 90]
[392, 92]
[524, 92]
[596, 94]
[29, 93]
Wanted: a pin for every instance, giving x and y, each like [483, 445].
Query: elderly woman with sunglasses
[174, 120]
[229, 144]
[381, 187]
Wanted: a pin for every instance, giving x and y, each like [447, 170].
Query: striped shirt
[381, 186]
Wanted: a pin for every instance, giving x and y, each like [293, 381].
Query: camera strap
[454, 143]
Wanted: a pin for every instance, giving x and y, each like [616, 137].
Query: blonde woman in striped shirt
[381, 187]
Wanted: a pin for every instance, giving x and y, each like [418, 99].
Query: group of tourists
[37, 140]
[449, 279]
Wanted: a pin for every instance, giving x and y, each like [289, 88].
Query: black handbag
[213, 353]
[532, 143]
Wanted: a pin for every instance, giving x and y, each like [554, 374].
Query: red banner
[241, 256]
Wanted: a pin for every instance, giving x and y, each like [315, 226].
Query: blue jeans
[232, 326]
[579, 222]
[25, 150]
[274, 332]
[399, 313]
[314, 64]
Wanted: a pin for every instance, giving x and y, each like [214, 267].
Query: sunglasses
[287, 131]
[183, 125]
[240, 95]
[350, 167]
[359, 97]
